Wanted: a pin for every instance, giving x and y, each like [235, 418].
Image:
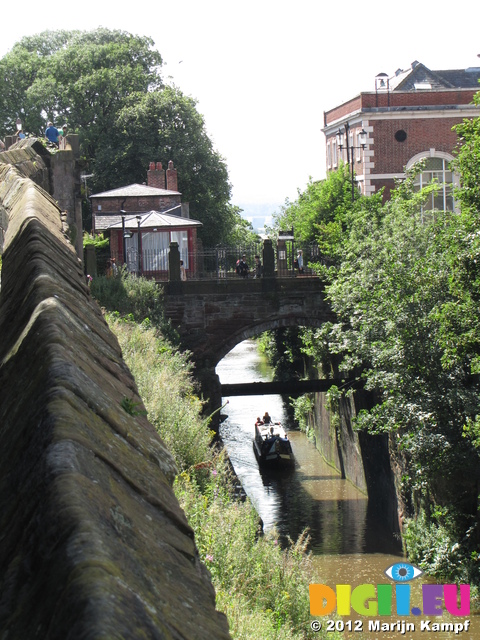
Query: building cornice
[357, 118]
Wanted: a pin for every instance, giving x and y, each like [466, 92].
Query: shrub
[261, 587]
[139, 298]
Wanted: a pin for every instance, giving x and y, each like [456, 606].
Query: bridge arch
[257, 329]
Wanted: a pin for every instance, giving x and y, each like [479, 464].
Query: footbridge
[213, 317]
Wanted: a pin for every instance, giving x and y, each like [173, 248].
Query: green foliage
[137, 298]
[467, 163]
[434, 547]
[400, 294]
[282, 348]
[97, 241]
[76, 77]
[131, 407]
[387, 294]
[164, 379]
[165, 125]
[302, 410]
[322, 213]
[242, 233]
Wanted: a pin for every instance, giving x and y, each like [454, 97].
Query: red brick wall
[423, 134]
[156, 175]
[373, 100]
[417, 98]
[172, 182]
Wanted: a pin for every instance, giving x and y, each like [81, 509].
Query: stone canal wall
[361, 458]
[93, 541]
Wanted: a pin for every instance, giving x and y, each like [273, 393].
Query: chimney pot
[159, 166]
[152, 166]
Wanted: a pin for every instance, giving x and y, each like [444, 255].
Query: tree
[467, 163]
[390, 295]
[321, 213]
[107, 86]
[77, 77]
[165, 125]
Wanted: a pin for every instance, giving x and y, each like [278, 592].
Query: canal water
[350, 544]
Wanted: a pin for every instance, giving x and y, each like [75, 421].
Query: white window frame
[446, 158]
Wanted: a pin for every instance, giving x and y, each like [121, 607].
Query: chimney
[172, 184]
[156, 175]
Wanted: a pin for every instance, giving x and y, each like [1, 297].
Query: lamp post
[140, 261]
[125, 235]
[362, 137]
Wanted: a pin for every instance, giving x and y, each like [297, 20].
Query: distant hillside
[259, 213]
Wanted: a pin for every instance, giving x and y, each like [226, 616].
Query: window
[155, 246]
[436, 170]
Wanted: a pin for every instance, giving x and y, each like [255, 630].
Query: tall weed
[164, 380]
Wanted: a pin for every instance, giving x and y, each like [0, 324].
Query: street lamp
[125, 234]
[140, 261]
[362, 138]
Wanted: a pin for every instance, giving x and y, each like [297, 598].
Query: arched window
[436, 169]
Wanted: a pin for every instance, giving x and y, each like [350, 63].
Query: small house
[143, 219]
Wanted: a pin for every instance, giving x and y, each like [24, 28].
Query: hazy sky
[264, 71]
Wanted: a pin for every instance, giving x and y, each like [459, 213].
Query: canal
[350, 544]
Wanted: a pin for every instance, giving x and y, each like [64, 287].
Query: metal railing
[216, 263]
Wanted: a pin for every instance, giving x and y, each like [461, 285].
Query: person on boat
[259, 421]
[266, 418]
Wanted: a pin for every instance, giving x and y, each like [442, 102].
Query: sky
[263, 72]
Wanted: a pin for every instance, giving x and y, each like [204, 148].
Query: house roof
[421, 77]
[150, 220]
[135, 190]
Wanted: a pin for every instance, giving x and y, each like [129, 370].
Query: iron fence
[216, 263]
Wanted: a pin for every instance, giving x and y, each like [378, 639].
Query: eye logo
[403, 572]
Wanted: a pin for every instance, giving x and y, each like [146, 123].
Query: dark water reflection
[350, 543]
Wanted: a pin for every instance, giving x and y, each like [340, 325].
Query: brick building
[407, 118]
[142, 220]
[159, 194]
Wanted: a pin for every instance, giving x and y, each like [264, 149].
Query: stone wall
[361, 458]
[94, 543]
[57, 172]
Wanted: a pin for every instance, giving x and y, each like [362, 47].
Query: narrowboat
[271, 445]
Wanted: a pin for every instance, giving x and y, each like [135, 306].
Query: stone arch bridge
[213, 317]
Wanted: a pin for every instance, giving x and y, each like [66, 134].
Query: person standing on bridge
[242, 267]
[300, 261]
